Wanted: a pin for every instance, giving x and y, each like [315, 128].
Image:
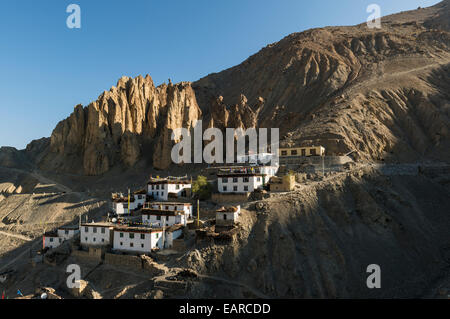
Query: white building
[120, 202]
[227, 216]
[264, 158]
[67, 232]
[56, 238]
[173, 206]
[163, 217]
[51, 240]
[172, 233]
[137, 239]
[96, 234]
[165, 188]
[243, 179]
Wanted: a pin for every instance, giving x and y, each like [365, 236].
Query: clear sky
[47, 68]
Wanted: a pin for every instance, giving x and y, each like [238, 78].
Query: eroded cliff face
[380, 92]
[113, 129]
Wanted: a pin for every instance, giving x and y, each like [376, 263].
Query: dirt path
[48, 181]
[386, 76]
[15, 236]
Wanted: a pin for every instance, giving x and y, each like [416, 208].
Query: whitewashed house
[227, 216]
[51, 240]
[54, 239]
[173, 206]
[96, 234]
[263, 158]
[244, 179]
[120, 202]
[137, 239]
[171, 187]
[172, 233]
[163, 217]
[67, 232]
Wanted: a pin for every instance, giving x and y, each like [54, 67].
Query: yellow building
[282, 184]
[302, 151]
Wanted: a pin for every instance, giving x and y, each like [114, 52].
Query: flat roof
[98, 224]
[123, 200]
[70, 227]
[51, 234]
[165, 212]
[135, 229]
[169, 203]
[238, 174]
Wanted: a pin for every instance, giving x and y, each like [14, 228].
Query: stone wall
[229, 198]
[123, 260]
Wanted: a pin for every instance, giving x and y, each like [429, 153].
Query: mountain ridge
[381, 92]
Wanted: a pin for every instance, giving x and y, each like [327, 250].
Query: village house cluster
[161, 221]
[153, 217]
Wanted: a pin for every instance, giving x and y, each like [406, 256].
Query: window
[235, 179]
[103, 240]
[86, 229]
[153, 187]
[51, 239]
[245, 179]
[157, 193]
[245, 188]
[121, 243]
[94, 230]
[93, 239]
[142, 236]
[158, 217]
[224, 180]
[142, 245]
[294, 152]
[103, 230]
[313, 151]
[235, 188]
[131, 235]
[224, 216]
[139, 196]
[157, 235]
[66, 232]
[303, 152]
[177, 186]
[162, 193]
[121, 235]
[283, 153]
[157, 186]
[85, 238]
[224, 188]
[131, 245]
[258, 179]
[60, 240]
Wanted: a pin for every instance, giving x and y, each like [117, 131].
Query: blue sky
[47, 68]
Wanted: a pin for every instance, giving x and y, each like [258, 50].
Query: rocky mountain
[382, 92]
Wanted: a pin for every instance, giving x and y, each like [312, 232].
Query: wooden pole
[198, 213]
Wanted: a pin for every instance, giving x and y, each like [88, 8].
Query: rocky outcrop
[381, 92]
[113, 129]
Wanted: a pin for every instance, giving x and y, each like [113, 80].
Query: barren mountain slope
[377, 91]
[382, 92]
[318, 242]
